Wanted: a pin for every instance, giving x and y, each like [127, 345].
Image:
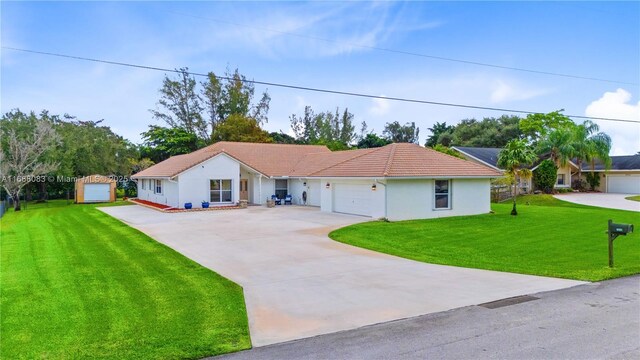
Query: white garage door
[352, 199]
[96, 192]
[621, 184]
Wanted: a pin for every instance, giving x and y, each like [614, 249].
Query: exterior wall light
[327, 186]
[374, 187]
[304, 183]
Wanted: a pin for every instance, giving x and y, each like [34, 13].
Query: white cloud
[504, 92]
[380, 107]
[625, 136]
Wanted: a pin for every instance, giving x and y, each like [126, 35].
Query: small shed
[95, 188]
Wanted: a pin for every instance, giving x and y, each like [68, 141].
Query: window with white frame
[221, 191]
[281, 188]
[158, 187]
[144, 184]
[442, 194]
[560, 180]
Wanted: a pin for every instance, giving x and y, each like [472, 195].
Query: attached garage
[352, 199]
[623, 183]
[95, 188]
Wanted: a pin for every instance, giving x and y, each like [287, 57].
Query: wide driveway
[298, 283]
[605, 200]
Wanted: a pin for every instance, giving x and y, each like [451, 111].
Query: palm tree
[514, 158]
[590, 145]
[559, 145]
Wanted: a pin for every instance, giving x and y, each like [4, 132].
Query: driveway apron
[299, 283]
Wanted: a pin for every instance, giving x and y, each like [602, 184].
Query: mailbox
[620, 229]
[615, 230]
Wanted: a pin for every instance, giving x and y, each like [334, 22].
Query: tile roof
[393, 160]
[268, 159]
[404, 160]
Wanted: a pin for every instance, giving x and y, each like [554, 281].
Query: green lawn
[77, 283]
[634, 198]
[549, 237]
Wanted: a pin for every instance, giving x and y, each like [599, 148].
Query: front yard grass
[549, 237]
[633, 198]
[77, 283]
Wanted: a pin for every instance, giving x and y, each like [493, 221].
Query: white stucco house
[397, 181]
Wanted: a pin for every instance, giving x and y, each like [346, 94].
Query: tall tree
[407, 133]
[334, 129]
[372, 140]
[26, 141]
[538, 126]
[589, 145]
[436, 131]
[489, 132]
[242, 129]
[181, 105]
[515, 159]
[559, 145]
[160, 143]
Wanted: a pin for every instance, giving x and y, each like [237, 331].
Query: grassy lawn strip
[633, 198]
[549, 237]
[77, 283]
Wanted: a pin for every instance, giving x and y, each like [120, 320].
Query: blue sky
[592, 39]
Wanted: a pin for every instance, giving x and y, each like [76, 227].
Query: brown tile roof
[394, 160]
[404, 160]
[268, 159]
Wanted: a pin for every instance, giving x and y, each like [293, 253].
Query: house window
[560, 180]
[442, 194]
[220, 191]
[158, 189]
[144, 184]
[281, 188]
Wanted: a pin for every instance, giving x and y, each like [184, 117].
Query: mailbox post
[615, 230]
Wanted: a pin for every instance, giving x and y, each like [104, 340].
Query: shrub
[119, 192]
[579, 184]
[593, 179]
[545, 176]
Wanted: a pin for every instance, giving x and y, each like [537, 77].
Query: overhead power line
[306, 88]
[410, 53]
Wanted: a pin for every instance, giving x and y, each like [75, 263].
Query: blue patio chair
[276, 200]
[287, 199]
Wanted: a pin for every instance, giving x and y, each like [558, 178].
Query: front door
[244, 189]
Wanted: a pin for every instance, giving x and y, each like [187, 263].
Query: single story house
[623, 176]
[397, 181]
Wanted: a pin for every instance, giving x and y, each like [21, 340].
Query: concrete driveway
[298, 283]
[605, 200]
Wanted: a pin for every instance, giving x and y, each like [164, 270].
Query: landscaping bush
[119, 192]
[579, 184]
[545, 176]
[594, 180]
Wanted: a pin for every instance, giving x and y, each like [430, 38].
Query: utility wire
[402, 52]
[305, 88]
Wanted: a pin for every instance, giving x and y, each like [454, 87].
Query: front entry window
[560, 180]
[220, 191]
[281, 188]
[442, 194]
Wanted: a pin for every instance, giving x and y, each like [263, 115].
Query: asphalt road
[592, 321]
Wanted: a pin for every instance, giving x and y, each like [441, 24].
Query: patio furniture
[276, 200]
[287, 199]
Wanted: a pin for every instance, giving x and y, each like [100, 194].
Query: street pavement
[591, 321]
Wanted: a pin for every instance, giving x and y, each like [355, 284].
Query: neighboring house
[623, 177]
[489, 157]
[397, 181]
